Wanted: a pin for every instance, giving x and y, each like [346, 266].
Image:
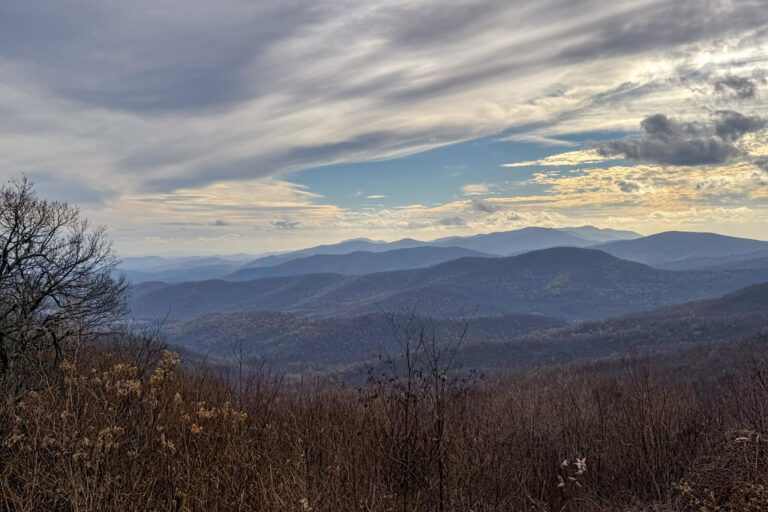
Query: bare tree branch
[55, 275]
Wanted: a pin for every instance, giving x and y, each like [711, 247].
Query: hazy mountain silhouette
[682, 249]
[502, 243]
[357, 263]
[757, 259]
[180, 269]
[199, 268]
[568, 283]
[345, 247]
[514, 242]
[601, 234]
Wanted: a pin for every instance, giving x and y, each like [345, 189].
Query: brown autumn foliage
[118, 429]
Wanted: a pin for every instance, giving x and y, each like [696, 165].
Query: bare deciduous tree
[55, 275]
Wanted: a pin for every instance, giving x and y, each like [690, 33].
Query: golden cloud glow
[586, 156]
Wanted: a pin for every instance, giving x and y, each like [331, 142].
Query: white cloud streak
[157, 103]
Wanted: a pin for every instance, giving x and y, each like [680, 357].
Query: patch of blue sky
[437, 176]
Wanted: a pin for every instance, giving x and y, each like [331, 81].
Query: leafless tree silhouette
[55, 276]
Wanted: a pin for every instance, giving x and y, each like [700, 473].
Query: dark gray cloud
[667, 141]
[734, 125]
[452, 221]
[627, 186]
[220, 223]
[286, 224]
[762, 163]
[742, 87]
[481, 205]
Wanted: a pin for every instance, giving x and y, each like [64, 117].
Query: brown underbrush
[112, 431]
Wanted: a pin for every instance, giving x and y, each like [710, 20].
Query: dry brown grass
[108, 432]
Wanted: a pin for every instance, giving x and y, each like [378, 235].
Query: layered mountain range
[534, 295]
[358, 255]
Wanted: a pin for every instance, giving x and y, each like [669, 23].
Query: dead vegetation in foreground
[124, 430]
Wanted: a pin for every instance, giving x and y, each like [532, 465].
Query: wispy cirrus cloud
[113, 104]
[586, 156]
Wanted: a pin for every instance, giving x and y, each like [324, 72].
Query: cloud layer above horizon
[254, 126]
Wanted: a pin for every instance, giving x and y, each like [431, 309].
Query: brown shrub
[100, 435]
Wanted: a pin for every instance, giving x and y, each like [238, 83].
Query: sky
[186, 126]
